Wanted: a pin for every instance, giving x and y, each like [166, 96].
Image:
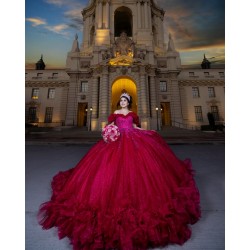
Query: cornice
[46, 84]
[201, 82]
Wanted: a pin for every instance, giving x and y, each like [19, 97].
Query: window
[84, 87]
[35, 93]
[32, 114]
[215, 112]
[198, 113]
[39, 75]
[211, 92]
[54, 75]
[48, 114]
[163, 86]
[195, 91]
[191, 73]
[51, 93]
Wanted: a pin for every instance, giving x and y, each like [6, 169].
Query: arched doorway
[121, 85]
[123, 21]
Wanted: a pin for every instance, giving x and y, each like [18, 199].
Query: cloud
[75, 19]
[194, 24]
[59, 29]
[36, 21]
[73, 13]
[67, 3]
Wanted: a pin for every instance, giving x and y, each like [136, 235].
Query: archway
[123, 21]
[121, 85]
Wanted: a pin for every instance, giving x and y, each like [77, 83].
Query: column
[176, 110]
[104, 100]
[139, 15]
[100, 14]
[107, 14]
[94, 93]
[149, 16]
[160, 30]
[86, 32]
[153, 96]
[104, 94]
[143, 94]
[71, 113]
[146, 14]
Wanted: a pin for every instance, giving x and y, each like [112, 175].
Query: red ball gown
[130, 194]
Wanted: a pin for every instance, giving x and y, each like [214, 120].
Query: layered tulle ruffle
[124, 195]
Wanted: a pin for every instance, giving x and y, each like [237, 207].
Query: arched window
[123, 21]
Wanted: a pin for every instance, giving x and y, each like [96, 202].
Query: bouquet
[110, 133]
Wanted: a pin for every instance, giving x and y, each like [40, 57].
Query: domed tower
[205, 63]
[40, 65]
[123, 49]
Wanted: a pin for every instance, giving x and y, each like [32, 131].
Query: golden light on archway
[119, 86]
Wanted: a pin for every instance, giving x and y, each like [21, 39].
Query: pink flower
[110, 133]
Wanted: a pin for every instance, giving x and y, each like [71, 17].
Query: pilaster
[104, 93]
[176, 109]
[71, 112]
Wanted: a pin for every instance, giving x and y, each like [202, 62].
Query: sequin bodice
[124, 122]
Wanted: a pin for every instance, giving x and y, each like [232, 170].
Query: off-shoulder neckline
[126, 114]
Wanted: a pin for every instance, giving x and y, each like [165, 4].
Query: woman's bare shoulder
[117, 112]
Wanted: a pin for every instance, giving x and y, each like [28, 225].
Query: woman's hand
[137, 127]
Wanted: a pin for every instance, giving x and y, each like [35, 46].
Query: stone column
[94, 103]
[104, 101]
[143, 94]
[107, 14]
[71, 112]
[154, 103]
[149, 16]
[86, 32]
[139, 14]
[176, 110]
[146, 14]
[153, 95]
[99, 14]
[160, 31]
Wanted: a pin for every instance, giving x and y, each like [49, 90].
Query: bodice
[124, 122]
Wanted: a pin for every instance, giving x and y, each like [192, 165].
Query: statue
[141, 55]
[123, 46]
[105, 55]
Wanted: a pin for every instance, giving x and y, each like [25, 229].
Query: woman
[132, 193]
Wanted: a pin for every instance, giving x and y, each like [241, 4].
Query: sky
[196, 26]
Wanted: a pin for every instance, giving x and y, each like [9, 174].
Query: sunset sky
[197, 27]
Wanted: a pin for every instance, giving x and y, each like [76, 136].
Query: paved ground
[80, 136]
[46, 155]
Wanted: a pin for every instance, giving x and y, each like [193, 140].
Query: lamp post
[90, 117]
[157, 117]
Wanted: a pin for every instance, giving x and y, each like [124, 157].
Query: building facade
[123, 50]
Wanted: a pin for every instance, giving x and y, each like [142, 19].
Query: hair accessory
[126, 95]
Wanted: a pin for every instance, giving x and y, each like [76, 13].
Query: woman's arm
[136, 127]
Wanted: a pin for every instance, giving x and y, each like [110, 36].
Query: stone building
[123, 50]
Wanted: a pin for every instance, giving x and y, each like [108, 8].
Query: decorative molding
[135, 69]
[46, 84]
[124, 70]
[84, 64]
[209, 82]
[33, 104]
[162, 64]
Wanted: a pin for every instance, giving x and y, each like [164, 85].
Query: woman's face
[124, 102]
